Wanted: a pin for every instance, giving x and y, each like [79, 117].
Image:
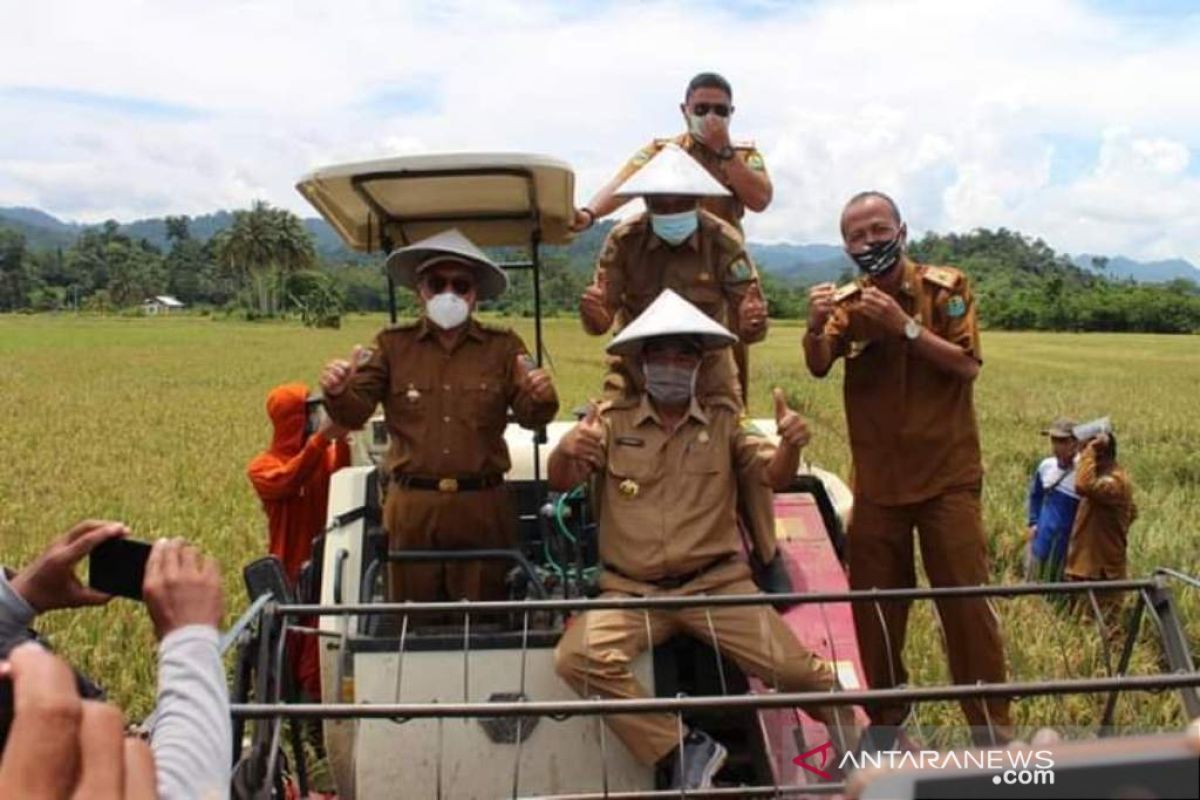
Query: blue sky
[1073, 120]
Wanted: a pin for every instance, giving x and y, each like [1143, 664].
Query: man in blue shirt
[1052, 504]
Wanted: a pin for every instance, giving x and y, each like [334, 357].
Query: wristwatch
[725, 153]
[912, 329]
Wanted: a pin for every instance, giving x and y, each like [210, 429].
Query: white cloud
[959, 109]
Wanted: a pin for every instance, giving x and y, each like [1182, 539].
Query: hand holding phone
[118, 567]
[50, 581]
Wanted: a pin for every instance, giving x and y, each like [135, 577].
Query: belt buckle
[447, 485]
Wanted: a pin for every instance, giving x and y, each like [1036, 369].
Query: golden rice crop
[152, 421]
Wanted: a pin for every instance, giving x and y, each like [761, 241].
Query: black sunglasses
[437, 284]
[720, 109]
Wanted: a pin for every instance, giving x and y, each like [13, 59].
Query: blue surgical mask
[674, 229]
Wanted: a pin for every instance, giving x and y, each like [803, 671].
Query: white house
[161, 304]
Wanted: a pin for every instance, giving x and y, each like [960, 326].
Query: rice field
[152, 421]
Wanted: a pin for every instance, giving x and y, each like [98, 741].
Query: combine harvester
[474, 709]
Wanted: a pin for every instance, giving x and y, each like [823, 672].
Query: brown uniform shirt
[912, 426]
[446, 410]
[711, 270]
[729, 208]
[668, 499]
[1099, 537]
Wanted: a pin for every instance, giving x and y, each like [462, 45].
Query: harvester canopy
[495, 199]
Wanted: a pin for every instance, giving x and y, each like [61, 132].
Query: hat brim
[405, 267]
[708, 341]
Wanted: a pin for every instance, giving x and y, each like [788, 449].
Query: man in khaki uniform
[669, 465]
[446, 382]
[738, 166]
[910, 338]
[675, 245]
[1100, 535]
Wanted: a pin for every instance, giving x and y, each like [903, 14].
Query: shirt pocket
[703, 458]
[637, 464]
[707, 297]
[410, 399]
[481, 404]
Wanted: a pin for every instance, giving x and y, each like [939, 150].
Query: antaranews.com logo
[1011, 767]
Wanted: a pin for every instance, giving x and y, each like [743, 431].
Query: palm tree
[263, 245]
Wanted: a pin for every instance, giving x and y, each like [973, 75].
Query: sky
[1078, 122]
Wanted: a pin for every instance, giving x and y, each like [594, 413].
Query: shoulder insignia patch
[755, 161]
[847, 292]
[740, 271]
[956, 306]
[940, 276]
[645, 154]
[746, 423]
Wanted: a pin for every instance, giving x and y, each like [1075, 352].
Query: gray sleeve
[16, 615]
[192, 738]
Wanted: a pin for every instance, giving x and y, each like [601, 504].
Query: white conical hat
[670, 315]
[406, 263]
[672, 171]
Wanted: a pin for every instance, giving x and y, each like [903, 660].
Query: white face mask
[447, 310]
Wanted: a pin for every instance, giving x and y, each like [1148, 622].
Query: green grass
[152, 421]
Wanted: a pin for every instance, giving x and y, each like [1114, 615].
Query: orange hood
[286, 408]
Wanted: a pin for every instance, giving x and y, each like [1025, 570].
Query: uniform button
[445, 387]
[445, 451]
[445, 419]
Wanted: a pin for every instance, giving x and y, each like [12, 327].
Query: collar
[646, 411]
[425, 328]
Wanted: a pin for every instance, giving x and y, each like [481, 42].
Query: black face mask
[879, 257]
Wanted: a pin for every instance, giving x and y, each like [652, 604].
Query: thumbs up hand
[791, 427]
[338, 374]
[533, 380]
[585, 441]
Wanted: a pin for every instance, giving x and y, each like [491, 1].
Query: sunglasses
[720, 109]
[438, 283]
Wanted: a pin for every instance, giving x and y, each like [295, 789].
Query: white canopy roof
[493, 198]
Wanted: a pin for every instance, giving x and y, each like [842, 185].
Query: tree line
[265, 265]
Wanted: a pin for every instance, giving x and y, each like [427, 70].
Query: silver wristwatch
[912, 329]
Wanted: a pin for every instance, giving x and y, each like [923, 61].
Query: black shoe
[699, 761]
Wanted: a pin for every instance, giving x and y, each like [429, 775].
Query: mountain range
[797, 263]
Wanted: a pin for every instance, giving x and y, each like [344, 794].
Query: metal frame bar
[599, 707]
[692, 601]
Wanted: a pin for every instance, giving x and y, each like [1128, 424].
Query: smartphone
[118, 567]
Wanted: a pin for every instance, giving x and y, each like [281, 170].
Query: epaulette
[847, 292]
[494, 327]
[617, 404]
[628, 226]
[945, 277]
[403, 325]
[722, 227]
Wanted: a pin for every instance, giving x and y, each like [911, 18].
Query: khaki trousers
[418, 519]
[953, 550]
[595, 653]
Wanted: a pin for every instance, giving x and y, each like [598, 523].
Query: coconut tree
[263, 245]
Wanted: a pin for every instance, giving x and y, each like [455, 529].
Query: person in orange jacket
[292, 481]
